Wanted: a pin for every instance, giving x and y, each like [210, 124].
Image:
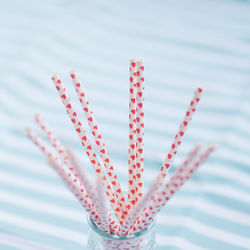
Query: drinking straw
[82, 174]
[65, 154]
[136, 210]
[54, 141]
[187, 161]
[101, 207]
[98, 139]
[173, 150]
[160, 200]
[132, 134]
[77, 189]
[179, 136]
[88, 147]
[67, 176]
[140, 130]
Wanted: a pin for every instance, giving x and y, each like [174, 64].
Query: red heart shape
[167, 165]
[78, 130]
[133, 64]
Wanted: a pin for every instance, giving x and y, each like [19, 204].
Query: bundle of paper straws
[123, 215]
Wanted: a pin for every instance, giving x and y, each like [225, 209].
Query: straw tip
[54, 76]
[214, 145]
[72, 73]
[200, 144]
[36, 117]
[27, 130]
[200, 88]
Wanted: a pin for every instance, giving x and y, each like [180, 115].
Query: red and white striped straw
[132, 134]
[87, 146]
[140, 130]
[67, 176]
[179, 136]
[160, 200]
[98, 139]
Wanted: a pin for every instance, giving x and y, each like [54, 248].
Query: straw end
[36, 117]
[73, 73]
[27, 130]
[200, 88]
[214, 145]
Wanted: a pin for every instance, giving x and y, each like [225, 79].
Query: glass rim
[136, 235]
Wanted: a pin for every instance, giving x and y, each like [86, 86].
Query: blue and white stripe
[184, 44]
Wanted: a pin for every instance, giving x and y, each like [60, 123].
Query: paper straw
[140, 131]
[160, 200]
[98, 139]
[87, 146]
[67, 156]
[132, 134]
[54, 141]
[101, 207]
[76, 187]
[136, 210]
[82, 174]
[187, 161]
[67, 176]
[38, 142]
[179, 136]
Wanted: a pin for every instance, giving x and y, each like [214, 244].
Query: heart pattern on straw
[117, 214]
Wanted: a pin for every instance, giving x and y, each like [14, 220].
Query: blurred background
[184, 44]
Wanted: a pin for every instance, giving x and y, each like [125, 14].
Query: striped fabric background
[184, 44]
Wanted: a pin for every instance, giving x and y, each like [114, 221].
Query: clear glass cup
[100, 240]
